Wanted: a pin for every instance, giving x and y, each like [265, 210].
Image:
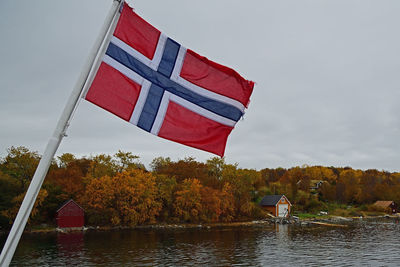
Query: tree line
[118, 189]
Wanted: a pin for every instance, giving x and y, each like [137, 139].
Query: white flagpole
[54, 142]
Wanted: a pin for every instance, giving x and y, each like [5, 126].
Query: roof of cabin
[270, 200]
[66, 203]
[383, 203]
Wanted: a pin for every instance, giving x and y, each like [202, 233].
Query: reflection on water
[371, 244]
[70, 248]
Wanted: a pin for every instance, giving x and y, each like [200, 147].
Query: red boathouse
[277, 205]
[69, 215]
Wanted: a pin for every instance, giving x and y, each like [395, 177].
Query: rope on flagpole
[54, 142]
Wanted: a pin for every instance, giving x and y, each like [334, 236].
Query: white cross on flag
[155, 83]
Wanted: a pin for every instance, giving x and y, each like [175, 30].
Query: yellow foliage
[188, 200]
[11, 213]
[128, 198]
[227, 203]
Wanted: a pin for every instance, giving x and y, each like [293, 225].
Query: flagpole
[54, 142]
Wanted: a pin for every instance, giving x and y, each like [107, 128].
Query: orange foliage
[211, 204]
[188, 200]
[128, 198]
[116, 189]
[227, 203]
[182, 169]
[69, 179]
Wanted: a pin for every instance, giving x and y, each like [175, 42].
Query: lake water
[360, 244]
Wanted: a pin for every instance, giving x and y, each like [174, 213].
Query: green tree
[126, 161]
[65, 159]
[9, 189]
[215, 166]
[20, 164]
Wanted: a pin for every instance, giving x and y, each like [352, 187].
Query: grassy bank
[342, 210]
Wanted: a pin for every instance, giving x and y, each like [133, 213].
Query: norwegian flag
[155, 83]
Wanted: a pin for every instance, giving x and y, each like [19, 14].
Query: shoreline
[330, 221]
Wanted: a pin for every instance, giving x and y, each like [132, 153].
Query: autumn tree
[9, 189]
[183, 169]
[16, 202]
[211, 204]
[272, 175]
[328, 174]
[102, 165]
[369, 179]
[65, 159]
[328, 192]
[126, 160]
[160, 164]
[69, 179]
[242, 182]
[292, 178]
[347, 186]
[188, 200]
[319, 173]
[128, 198]
[20, 164]
[16, 171]
[227, 203]
[215, 166]
[383, 191]
[395, 177]
[167, 187]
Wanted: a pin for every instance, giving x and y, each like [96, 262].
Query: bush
[341, 212]
[258, 212]
[315, 206]
[355, 213]
[363, 207]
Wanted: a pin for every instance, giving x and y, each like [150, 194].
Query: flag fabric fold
[153, 82]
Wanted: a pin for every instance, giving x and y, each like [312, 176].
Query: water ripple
[361, 244]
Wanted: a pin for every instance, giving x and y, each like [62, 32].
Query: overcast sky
[327, 78]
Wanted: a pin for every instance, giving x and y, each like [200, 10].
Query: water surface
[363, 243]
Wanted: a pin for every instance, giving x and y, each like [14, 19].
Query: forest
[117, 190]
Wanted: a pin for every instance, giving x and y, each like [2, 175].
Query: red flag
[155, 83]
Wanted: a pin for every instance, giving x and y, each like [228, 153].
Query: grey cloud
[327, 78]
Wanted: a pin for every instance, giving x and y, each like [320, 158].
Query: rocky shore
[331, 221]
[334, 221]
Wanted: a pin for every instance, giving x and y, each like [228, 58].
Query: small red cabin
[70, 214]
